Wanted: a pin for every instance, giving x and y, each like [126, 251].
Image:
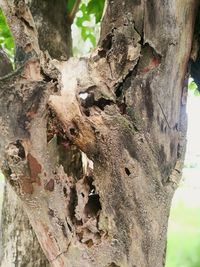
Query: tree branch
[74, 11]
[54, 29]
[22, 26]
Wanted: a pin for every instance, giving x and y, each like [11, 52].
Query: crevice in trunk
[149, 59]
[88, 100]
[87, 212]
[114, 265]
[84, 204]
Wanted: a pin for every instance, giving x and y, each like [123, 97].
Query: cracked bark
[16, 232]
[115, 213]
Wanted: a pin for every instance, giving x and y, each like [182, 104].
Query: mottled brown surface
[19, 243]
[131, 128]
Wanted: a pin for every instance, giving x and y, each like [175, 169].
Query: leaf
[6, 38]
[96, 7]
[92, 39]
[85, 14]
[196, 93]
[192, 86]
[70, 4]
[83, 21]
[83, 33]
[79, 22]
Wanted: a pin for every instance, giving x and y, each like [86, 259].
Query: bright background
[184, 224]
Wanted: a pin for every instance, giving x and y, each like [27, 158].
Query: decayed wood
[124, 107]
[16, 233]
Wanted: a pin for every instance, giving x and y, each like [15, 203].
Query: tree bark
[16, 234]
[53, 27]
[124, 107]
[18, 243]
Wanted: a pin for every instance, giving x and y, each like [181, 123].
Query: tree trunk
[124, 107]
[16, 232]
[20, 245]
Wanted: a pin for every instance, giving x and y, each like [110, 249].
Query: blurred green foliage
[89, 10]
[183, 236]
[87, 21]
[96, 8]
[193, 87]
[70, 5]
[6, 39]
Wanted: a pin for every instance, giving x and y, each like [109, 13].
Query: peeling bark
[124, 110]
[16, 234]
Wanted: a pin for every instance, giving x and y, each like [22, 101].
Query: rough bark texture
[124, 107]
[53, 26]
[20, 245]
[16, 233]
